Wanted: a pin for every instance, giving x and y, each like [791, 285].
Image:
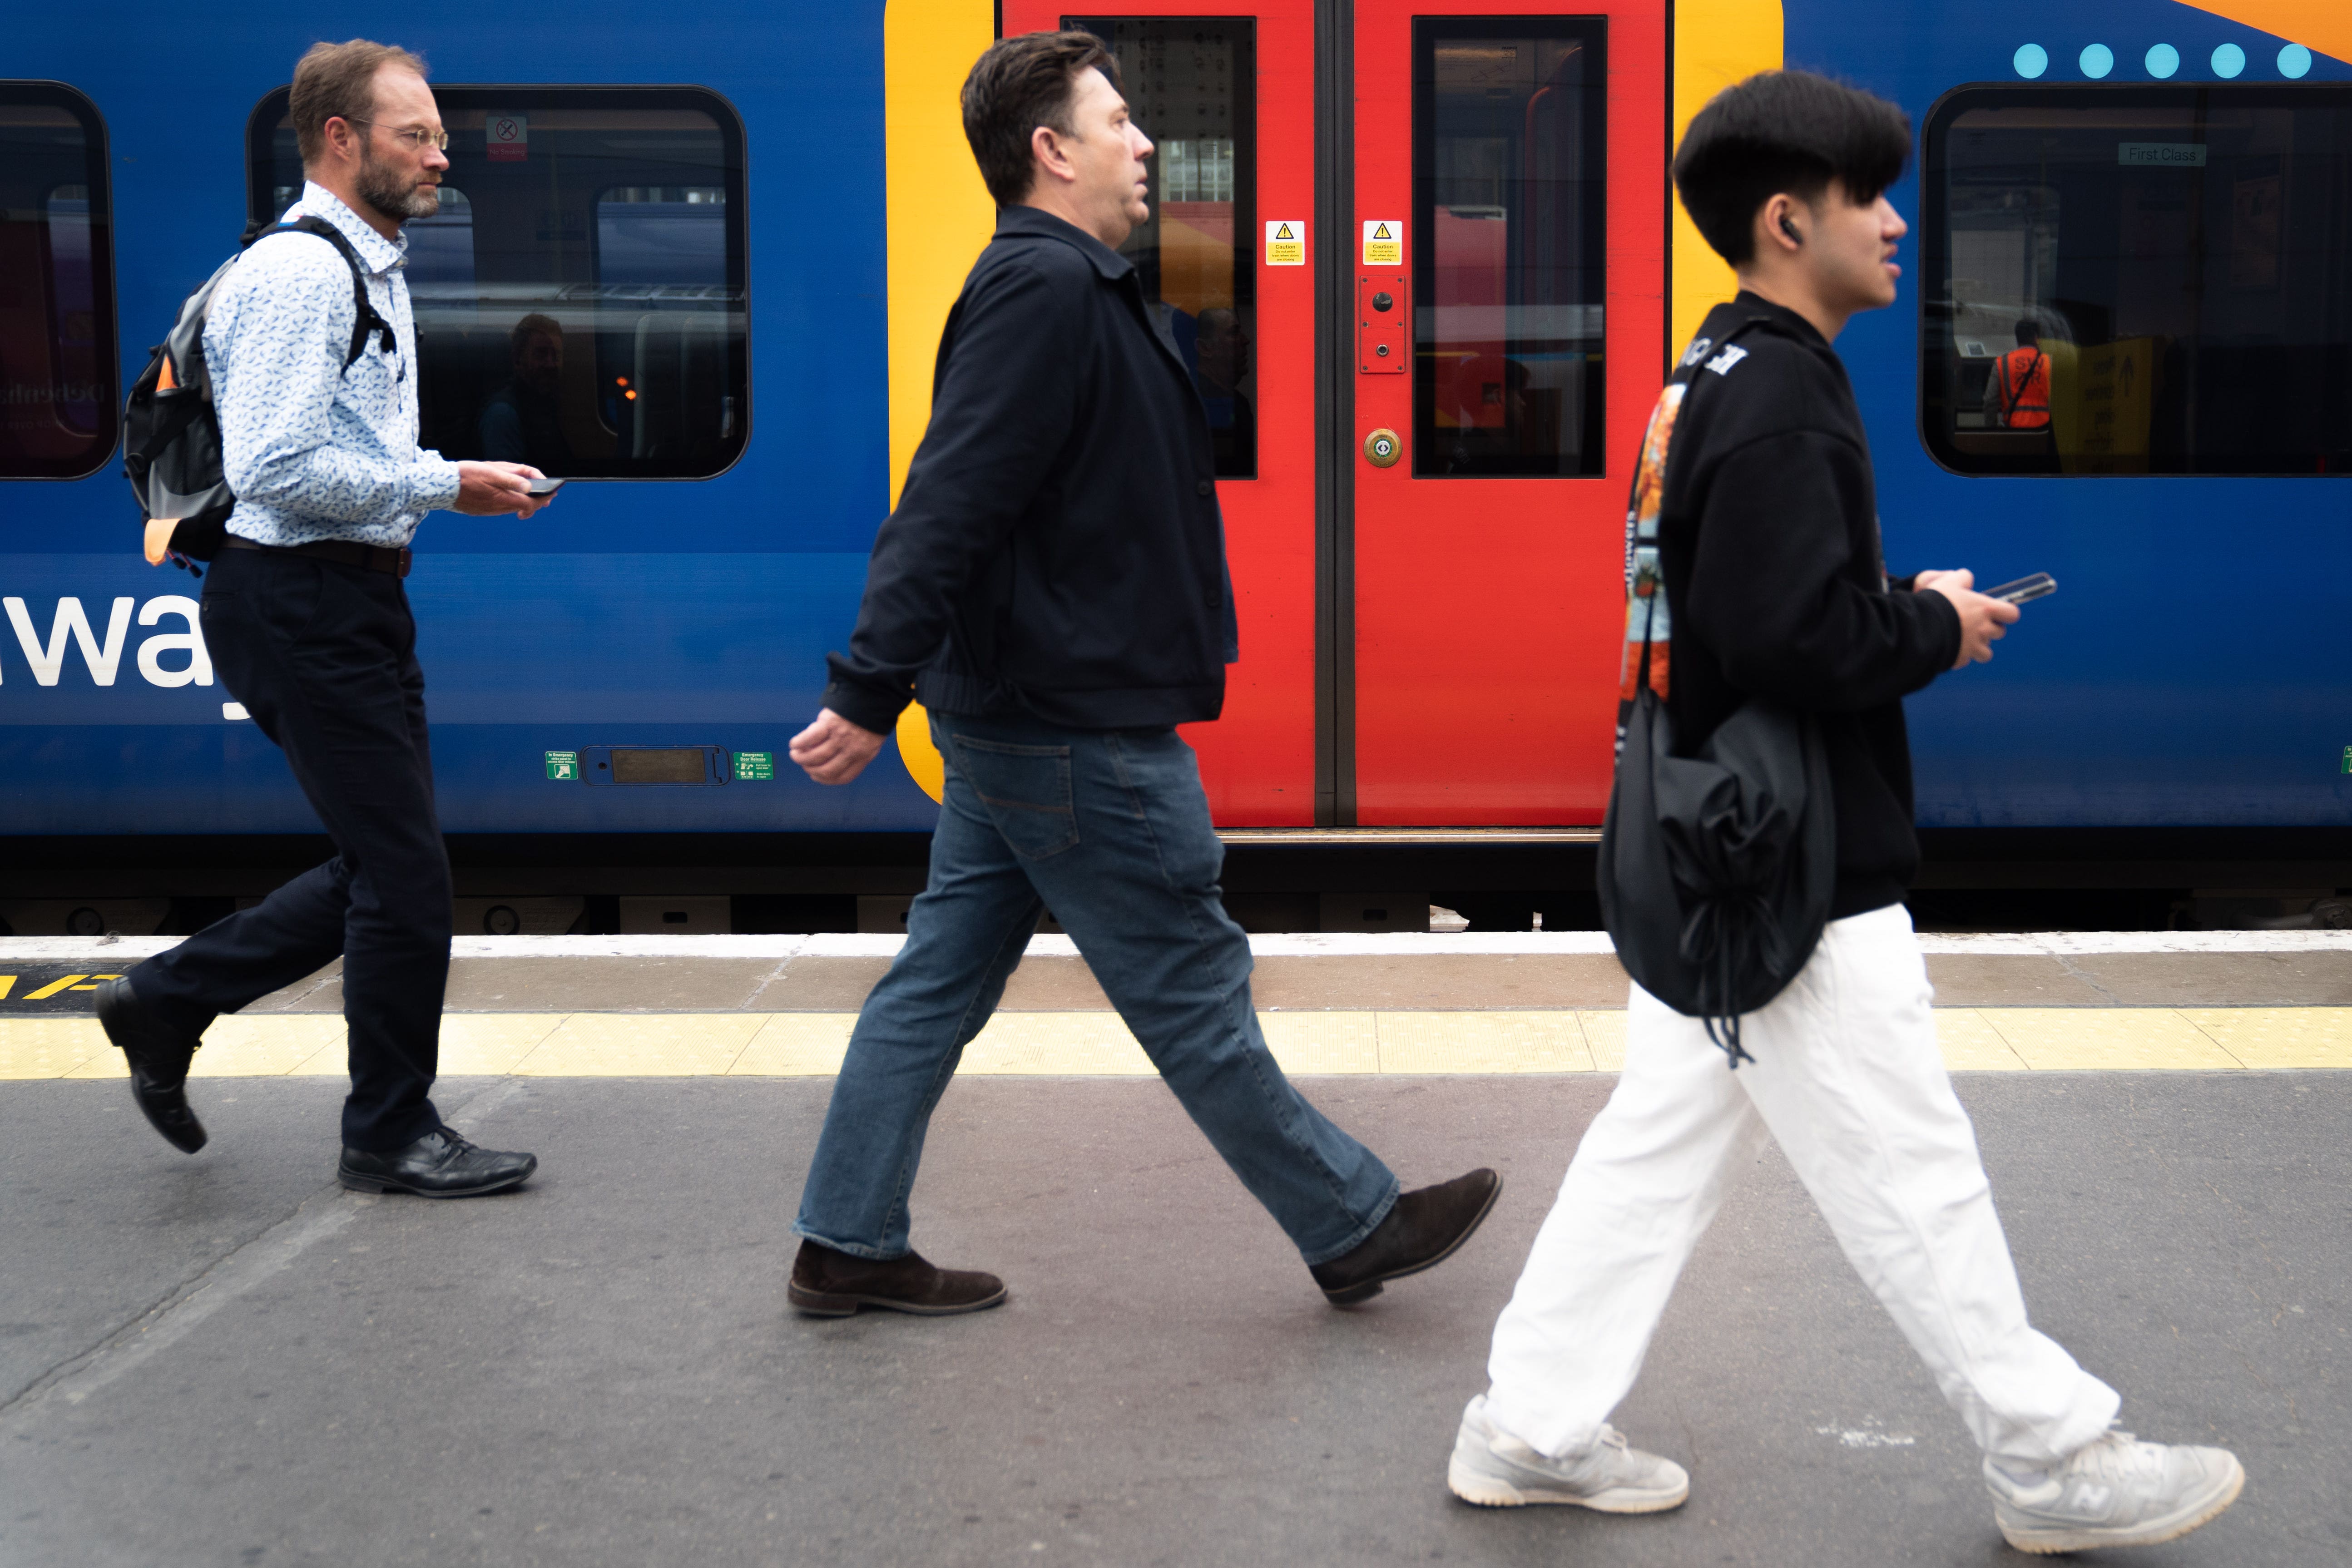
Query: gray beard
[383, 190]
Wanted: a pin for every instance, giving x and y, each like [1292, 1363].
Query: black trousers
[324, 657]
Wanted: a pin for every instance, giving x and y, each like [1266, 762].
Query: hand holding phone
[2025, 588]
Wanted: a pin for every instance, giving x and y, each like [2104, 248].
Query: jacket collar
[1795, 325]
[377, 253]
[1036, 221]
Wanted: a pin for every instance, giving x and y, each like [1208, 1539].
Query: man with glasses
[309, 626]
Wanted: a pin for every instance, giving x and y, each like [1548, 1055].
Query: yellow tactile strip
[790, 1045]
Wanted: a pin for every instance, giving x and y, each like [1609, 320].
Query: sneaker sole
[1365, 1290]
[359, 1184]
[2044, 1542]
[1492, 1491]
[828, 1304]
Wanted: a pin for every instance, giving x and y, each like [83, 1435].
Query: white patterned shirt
[311, 451]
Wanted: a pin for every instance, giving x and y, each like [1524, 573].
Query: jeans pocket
[1026, 790]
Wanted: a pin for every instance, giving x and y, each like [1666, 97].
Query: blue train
[695, 256]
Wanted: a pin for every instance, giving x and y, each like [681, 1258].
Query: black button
[1207, 487]
[1382, 301]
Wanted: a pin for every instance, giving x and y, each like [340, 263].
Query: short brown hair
[533, 326]
[1018, 84]
[337, 81]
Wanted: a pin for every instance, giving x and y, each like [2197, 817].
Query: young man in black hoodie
[1753, 568]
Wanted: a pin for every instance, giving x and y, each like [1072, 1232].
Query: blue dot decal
[2163, 61]
[2229, 60]
[2293, 60]
[2098, 61]
[2031, 59]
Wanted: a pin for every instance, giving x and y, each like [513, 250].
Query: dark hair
[2027, 333]
[1784, 131]
[337, 81]
[1018, 84]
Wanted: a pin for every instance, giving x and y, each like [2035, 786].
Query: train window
[580, 296]
[58, 392]
[1509, 201]
[1191, 85]
[2138, 280]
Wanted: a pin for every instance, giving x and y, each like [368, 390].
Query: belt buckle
[405, 557]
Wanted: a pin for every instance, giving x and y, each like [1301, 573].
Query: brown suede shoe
[1424, 1229]
[829, 1284]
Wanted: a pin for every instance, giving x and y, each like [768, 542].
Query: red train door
[1510, 240]
[1491, 285]
[1226, 91]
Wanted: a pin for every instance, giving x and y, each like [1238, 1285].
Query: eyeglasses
[414, 137]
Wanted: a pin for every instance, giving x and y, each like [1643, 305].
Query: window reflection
[1191, 85]
[2140, 280]
[1509, 203]
[579, 297]
[58, 379]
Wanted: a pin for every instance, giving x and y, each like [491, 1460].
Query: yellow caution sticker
[1383, 242]
[1285, 242]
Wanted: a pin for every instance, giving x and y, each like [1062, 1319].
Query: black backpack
[171, 440]
[1716, 868]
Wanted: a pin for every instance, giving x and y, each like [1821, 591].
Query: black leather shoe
[159, 1056]
[830, 1284]
[438, 1165]
[1423, 1228]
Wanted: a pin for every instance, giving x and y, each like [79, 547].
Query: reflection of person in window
[522, 422]
[2019, 388]
[1223, 346]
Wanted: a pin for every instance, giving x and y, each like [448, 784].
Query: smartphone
[545, 487]
[2025, 588]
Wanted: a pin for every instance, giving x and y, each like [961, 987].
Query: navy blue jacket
[1057, 550]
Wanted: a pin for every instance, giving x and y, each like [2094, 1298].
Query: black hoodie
[1766, 536]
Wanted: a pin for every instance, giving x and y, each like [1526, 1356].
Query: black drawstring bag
[1717, 868]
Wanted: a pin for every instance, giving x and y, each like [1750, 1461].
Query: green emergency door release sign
[755, 765]
[563, 765]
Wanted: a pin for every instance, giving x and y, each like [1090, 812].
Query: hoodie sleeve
[1772, 590]
[1004, 403]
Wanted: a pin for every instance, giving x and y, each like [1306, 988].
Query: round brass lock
[1382, 448]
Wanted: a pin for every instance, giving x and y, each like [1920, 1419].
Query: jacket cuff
[866, 708]
[433, 484]
[1947, 616]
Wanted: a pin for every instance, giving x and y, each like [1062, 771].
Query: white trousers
[1848, 1079]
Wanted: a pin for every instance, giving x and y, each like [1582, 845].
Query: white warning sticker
[506, 138]
[1383, 242]
[1285, 242]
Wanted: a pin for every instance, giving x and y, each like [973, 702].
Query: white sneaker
[1495, 1469]
[2118, 1491]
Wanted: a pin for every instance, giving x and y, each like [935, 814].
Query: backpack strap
[369, 323]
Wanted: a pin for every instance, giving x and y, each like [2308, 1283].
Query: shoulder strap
[1686, 372]
[369, 323]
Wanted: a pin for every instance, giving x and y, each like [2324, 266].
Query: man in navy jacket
[1053, 588]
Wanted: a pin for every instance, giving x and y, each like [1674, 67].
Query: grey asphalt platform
[224, 1360]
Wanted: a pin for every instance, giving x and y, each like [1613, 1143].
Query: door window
[1191, 85]
[1510, 117]
[58, 396]
[2139, 280]
[580, 296]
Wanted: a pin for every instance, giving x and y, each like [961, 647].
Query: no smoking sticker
[1285, 242]
[1383, 242]
[507, 137]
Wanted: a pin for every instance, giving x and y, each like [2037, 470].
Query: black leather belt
[368, 557]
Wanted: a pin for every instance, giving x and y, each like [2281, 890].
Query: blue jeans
[1109, 829]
